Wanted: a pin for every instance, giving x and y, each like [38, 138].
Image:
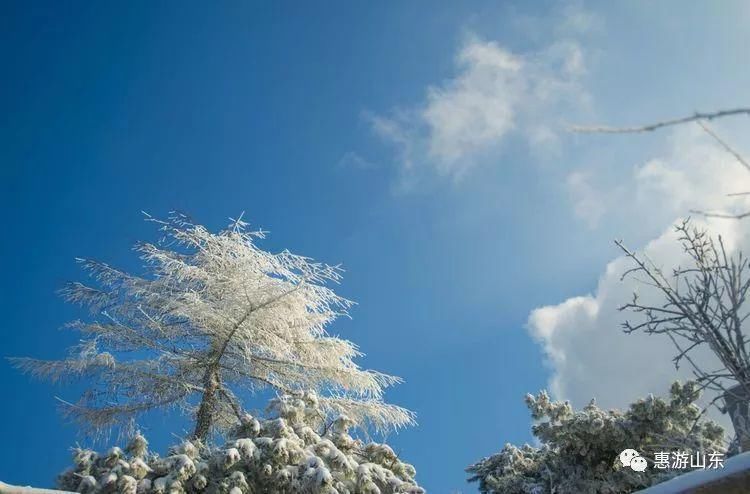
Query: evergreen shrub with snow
[295, 450]
[578, 451]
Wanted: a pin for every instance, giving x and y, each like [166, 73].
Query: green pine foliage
[578, 451]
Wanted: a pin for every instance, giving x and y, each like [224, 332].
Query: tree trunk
[205, 417]
[737, 405]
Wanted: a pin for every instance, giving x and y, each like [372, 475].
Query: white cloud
[475, 109]
[588, 352]
[576, 19]
[589, 202]
[495, 93]
[693, 174]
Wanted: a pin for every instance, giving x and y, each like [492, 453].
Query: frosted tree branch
[724, 145]
[213, 314]
[700, 119]
[603, 129]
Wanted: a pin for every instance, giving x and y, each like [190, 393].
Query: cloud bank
[586, 349]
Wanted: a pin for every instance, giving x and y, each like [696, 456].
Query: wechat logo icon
[631, 458]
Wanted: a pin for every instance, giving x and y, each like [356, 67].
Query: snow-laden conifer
[213, 316]
[577, 451]
[295, 450]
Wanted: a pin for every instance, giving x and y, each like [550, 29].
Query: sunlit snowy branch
[212, 314]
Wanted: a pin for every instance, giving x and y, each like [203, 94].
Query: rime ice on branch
[214, 315]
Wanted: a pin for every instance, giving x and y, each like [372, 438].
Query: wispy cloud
[589, 201]
[465, 120]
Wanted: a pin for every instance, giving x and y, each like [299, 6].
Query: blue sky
[421, 145]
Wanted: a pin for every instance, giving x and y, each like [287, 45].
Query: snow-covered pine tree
[578, 450]
[213, 315]
[292, 451]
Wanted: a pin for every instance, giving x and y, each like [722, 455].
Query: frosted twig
[603, 129]
[723, 144]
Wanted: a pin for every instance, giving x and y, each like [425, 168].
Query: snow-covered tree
[295, 450]
[212, 316]
[703, 307]
[578, 451]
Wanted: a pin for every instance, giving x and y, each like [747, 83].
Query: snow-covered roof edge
[734, 465]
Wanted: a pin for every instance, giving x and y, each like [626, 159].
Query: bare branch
[599, 129]
[723, 144]
[728, 216]
[703, 304]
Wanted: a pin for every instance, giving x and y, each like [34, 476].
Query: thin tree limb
[723, 144]
[603, 129]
